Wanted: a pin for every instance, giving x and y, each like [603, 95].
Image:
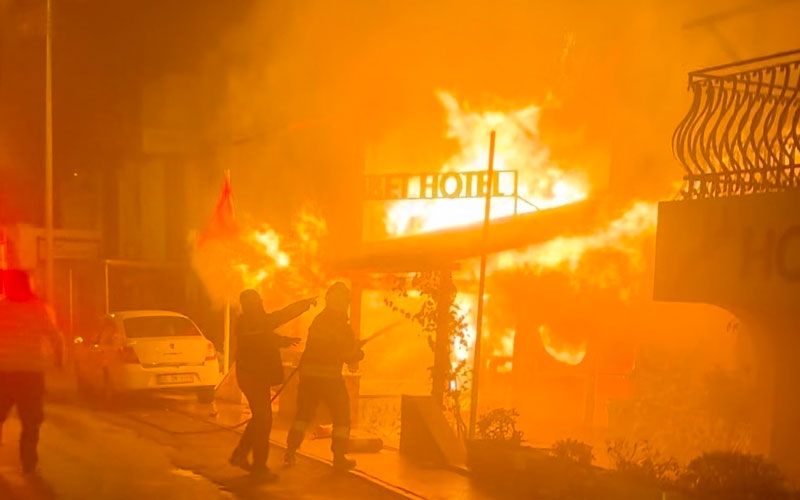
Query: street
[145, 449]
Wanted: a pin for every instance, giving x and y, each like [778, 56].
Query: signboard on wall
[69, 249]
[446, 185]
[734, 251]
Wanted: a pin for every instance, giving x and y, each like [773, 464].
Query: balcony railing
[742, 132]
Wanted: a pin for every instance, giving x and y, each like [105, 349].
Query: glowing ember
[571, 355]
[518, 148]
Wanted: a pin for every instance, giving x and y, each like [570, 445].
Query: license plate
[178, 378]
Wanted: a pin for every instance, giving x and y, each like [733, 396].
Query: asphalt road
[144, 450]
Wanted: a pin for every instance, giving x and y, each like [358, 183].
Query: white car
[146, 350]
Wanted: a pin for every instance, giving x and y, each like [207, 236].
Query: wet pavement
[144, 449]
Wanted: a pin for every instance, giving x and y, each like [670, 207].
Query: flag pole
[226, 332]
[226, 339]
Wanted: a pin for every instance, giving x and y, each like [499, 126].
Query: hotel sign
[741, 251]
[446, 185]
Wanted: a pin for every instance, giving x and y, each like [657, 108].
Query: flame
[623, 234]
[260, 257]
[542, 184]
[560, 351]
[271, 243]
[462, 350]
[506, 347]
[264, 260]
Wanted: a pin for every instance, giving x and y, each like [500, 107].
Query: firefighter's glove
[312, 302]
[359, 355]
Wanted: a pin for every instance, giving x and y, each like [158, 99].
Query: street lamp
[48, 160]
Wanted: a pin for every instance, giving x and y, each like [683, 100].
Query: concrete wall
[736, 252]
[743, 253]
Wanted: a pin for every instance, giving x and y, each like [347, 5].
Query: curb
[398, 490]
[386, 485]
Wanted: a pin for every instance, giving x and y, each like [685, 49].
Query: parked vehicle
[146, 351]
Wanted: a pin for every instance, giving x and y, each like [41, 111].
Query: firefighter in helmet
[330, 344]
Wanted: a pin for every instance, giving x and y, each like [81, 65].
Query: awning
[443, 249]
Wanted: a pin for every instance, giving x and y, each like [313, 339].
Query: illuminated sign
[447, 185]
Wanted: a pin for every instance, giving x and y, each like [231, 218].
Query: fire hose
[361, 344]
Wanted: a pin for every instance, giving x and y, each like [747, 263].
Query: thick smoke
[616, 73]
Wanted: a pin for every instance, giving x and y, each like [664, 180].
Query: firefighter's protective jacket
[331, 343]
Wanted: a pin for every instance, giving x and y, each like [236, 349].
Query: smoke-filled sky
[616, 71]
[305, 84]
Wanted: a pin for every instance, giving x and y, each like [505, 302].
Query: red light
[211, 354]
[128, 355]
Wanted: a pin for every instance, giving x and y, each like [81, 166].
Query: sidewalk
[387, 469]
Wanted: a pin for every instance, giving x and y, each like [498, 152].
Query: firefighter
[258, 369]
[330, 343]
[25, 326]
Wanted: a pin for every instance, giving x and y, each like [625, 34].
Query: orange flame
[261, 258]
[560, 351]
[542, 184]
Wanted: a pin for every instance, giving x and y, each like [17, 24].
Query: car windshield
[159, 326]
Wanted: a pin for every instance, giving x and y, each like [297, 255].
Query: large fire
[261, 257]
[542, 184]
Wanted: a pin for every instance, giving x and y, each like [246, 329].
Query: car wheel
[108, 394]
[206, 394]
[84, 389]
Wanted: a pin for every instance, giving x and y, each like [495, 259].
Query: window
[159, 326]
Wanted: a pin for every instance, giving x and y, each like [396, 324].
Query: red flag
[222, 225]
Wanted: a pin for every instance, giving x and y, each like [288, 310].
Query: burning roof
[443, 248]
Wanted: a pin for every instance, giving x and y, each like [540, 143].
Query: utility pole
[48, 160]
[476, 355]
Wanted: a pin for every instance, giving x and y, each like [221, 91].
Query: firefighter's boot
[289, 458]
[342, 463]
[239, 459]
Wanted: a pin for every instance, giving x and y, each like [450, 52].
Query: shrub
[571, 450]
[643, 464]
[733, 476]
[500, 425]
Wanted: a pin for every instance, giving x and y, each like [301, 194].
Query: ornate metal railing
[742, 132]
